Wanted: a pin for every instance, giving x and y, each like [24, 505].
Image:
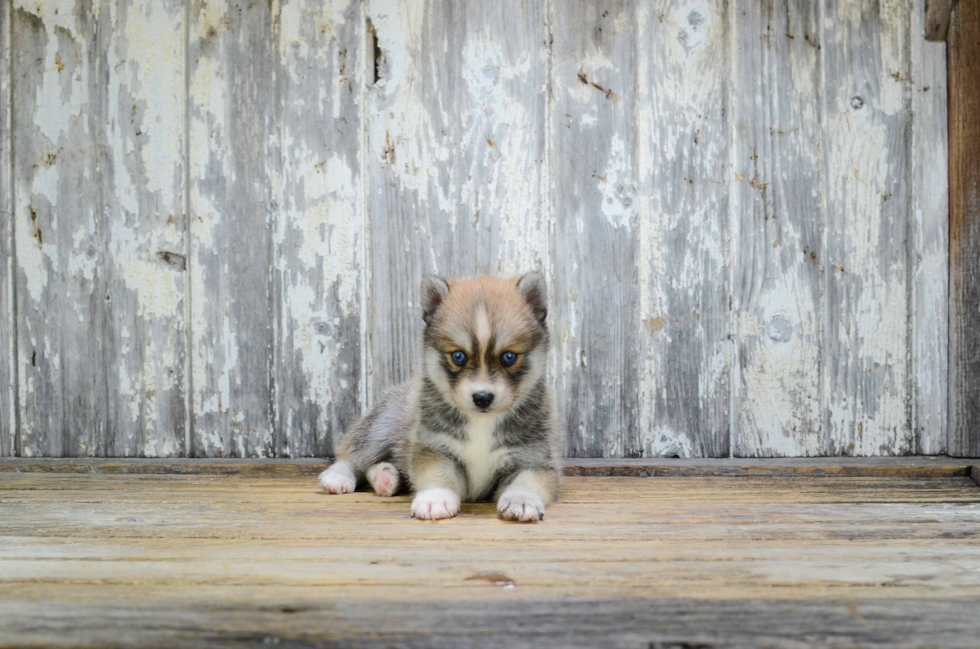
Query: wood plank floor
[682, 562]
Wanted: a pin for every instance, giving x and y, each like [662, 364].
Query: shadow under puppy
[479, 421]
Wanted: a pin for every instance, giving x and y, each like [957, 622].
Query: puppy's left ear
[535, 292]
[434, 291]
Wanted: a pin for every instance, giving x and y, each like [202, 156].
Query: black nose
[483, 399]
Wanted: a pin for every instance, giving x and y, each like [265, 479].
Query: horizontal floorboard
[921, 466]
[207, 560]
[661, 623]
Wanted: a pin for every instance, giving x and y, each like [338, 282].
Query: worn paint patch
[866, 343]
[777, 221]
[675, 204]
[683, 258]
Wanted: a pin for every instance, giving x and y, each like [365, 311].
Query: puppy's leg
[339, 478]
[440, 485]
[523, 498]
[384, 478]
[368, 442]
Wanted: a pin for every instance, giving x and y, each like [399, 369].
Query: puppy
[479, 421]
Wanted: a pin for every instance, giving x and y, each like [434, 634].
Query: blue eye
[459, 358]
[508, 358]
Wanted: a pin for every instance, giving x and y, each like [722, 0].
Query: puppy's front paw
[520, 505]
[433, 504]
[339, 478]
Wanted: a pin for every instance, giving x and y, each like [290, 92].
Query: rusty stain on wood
[494, 577]
[607, 92]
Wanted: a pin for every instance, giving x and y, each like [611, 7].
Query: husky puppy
[479, 421]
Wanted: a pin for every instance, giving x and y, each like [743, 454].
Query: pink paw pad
[384, 478]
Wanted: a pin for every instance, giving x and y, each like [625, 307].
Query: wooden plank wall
[7, 325]
[216, 215]
[964, 224]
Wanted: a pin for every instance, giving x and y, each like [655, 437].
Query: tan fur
[468, 426]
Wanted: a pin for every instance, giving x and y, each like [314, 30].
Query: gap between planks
[923, 467]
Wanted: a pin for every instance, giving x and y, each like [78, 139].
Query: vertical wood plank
[964, 230]
[777, 194]
[500, 97]
[410, 175]
[595, 203]
[57, 116]
[867, 101]
[930, 239]
[142, 176]
[8, 324]
[233, 159]
[321, 81]
[455, 148]
[936, 15]
[99, 117]
[684, 232]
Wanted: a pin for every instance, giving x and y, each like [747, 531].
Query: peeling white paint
[776, 187]
[156, 83]
[501, 177]
[54, 111]
[618, 193]
[866, 377]
[460, 143]
[930, 238]
[683, 161]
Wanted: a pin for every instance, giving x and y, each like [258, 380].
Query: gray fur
[418, 425]
[391, 429]
[535, 291]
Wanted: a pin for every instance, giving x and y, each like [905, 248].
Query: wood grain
[98, 195]
[866, 115]
[775, 467]
[141, 174]
[8, 347]
[618, 623]
[233, 216]
[964, 229]
[200, 560]
[408, 160]
[502, 223]
[936, 14]
[929, 259]
[779, 178]
[456, 148]
[217, 216]
[684, 232]
[59, 113]
[320, 234]
[595, 204]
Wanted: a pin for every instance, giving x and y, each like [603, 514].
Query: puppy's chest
[481, 455]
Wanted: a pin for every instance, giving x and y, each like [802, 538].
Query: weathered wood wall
[216, 213]
[964, 225]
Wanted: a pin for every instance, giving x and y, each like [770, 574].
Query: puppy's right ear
[434, 291]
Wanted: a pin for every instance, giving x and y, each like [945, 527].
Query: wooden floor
[679, 562]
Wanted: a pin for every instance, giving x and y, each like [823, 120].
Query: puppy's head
[485, 339]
